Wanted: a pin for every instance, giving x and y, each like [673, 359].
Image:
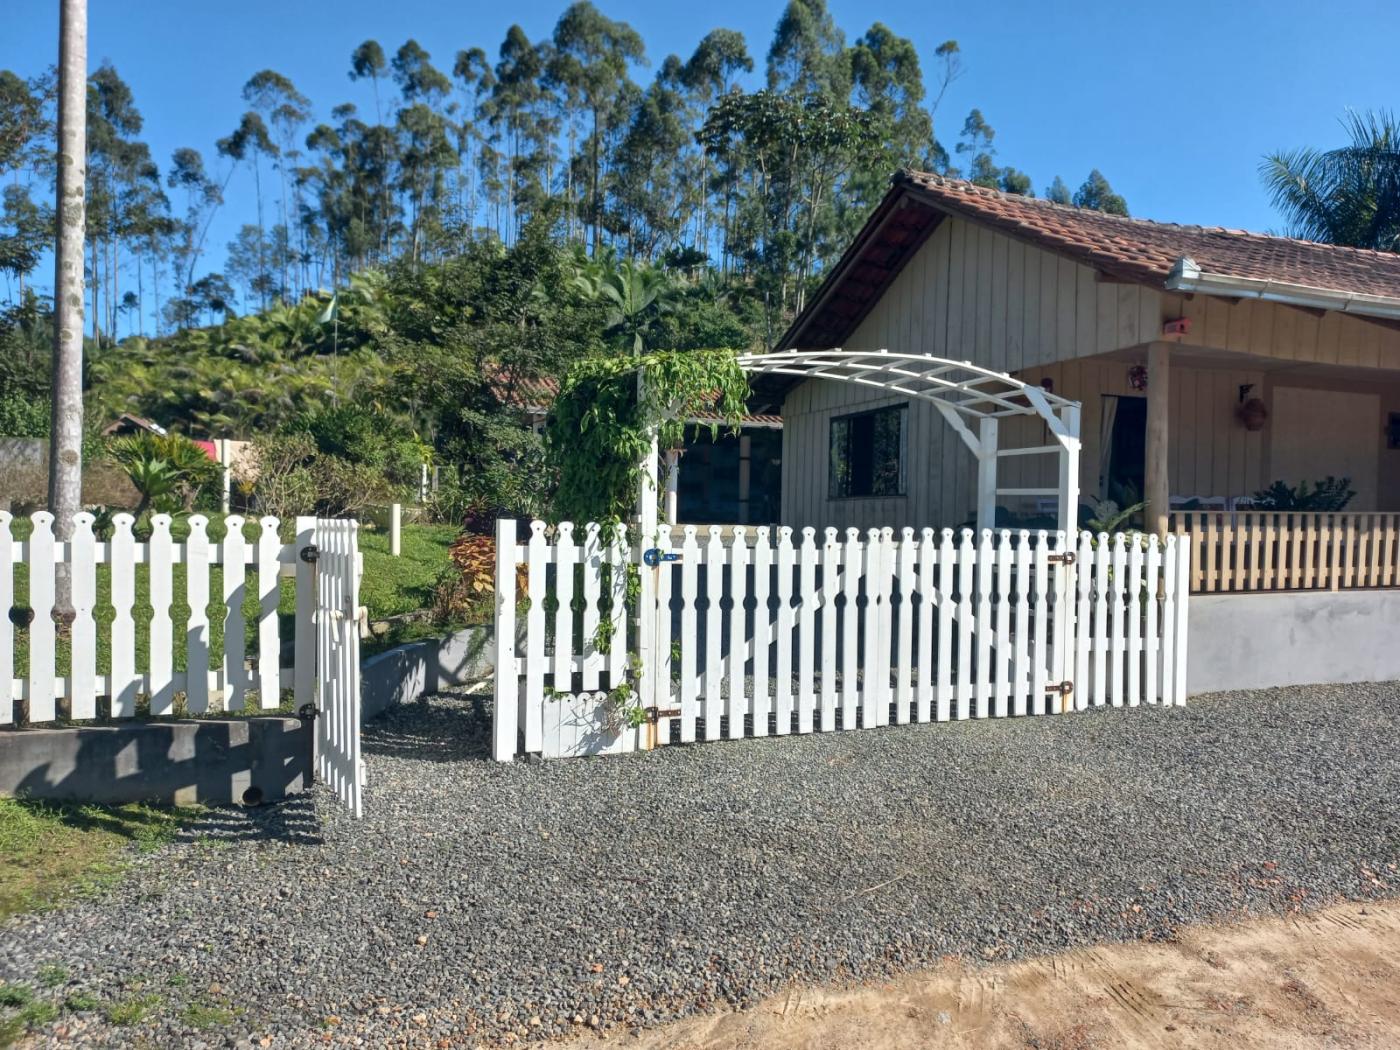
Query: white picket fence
[756, 632]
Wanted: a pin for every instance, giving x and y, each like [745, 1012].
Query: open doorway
[1123, 449]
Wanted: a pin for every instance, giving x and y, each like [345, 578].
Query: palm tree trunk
[66, 430]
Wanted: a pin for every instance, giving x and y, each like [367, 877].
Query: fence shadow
[293, 820]
[210, 762]
[432, 731]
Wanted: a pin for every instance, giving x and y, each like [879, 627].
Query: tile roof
[1144, 251]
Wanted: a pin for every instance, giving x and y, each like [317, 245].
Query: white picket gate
[337, 573]
[759, 632]
[56, 677]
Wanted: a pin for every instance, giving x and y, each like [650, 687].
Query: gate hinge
[309, 553]
[1067, 558]
[1063, 688]
[307, 712]
[655, 714]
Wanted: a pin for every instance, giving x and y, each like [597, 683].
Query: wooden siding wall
[973, 295]
[1272, 330]
[1212, 454]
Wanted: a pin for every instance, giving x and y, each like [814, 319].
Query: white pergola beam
[961, 391]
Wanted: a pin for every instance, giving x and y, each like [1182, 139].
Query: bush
[1329, 494]
[169, 471]
[292, 475]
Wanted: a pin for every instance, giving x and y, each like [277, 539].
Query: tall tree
[286, 110]
[589, 66]
[1349, 195]
[1097, 194]
[248, 143]
[66, 414]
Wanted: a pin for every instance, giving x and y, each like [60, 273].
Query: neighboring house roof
[1167, 256]
[126, 423]
[536, 394]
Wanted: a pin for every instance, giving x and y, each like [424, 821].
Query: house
[1207, 364]
[1270, 358]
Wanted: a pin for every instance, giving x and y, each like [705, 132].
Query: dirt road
[1327, 979]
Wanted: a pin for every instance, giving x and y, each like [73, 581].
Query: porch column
[1155, 482]
[987, 474]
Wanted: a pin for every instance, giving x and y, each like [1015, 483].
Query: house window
[867, 453]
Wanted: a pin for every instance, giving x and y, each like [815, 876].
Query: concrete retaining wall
[1255, 641]
[406, 672]
[247, 760]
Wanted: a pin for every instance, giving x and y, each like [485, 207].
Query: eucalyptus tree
[472, 69]
[118, 165]
[1349, 195]
[275, 98]
[25, 125]
[709, 73]
[203, 196]
[248, 143]
[1058, 193]
[519, 110]
[797, 153]
[1096, 193]
[808, 56]
[589, 67]
[426, 151]
[651, 179]
[368, 62]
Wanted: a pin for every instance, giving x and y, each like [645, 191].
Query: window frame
[833, 493]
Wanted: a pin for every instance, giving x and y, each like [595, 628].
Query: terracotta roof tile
[1145, 251]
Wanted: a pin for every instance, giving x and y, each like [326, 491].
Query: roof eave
[1186, 276]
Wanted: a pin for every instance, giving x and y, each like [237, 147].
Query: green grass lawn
[51, 851]
[390, 587]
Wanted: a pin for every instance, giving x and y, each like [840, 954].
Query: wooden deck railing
[1266, 550]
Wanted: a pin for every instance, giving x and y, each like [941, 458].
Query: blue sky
[1175, 103]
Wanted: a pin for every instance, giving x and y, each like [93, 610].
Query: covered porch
[1214, 429]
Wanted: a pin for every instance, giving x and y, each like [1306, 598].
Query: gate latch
[655, 714]
[654, 556]
[1063, 688]
[1067, 558]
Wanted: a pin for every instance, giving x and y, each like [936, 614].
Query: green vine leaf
[599, 434]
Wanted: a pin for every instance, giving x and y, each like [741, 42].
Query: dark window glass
[867, 453]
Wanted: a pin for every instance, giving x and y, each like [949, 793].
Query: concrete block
[243, 760]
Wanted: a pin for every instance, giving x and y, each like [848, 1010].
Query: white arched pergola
[971, 400]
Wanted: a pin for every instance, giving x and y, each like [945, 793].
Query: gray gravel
[479, 902]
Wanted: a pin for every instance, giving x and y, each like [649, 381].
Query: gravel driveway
[479, 902]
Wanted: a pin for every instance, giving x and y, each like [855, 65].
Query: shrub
[169, 471]
[1329, 494]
